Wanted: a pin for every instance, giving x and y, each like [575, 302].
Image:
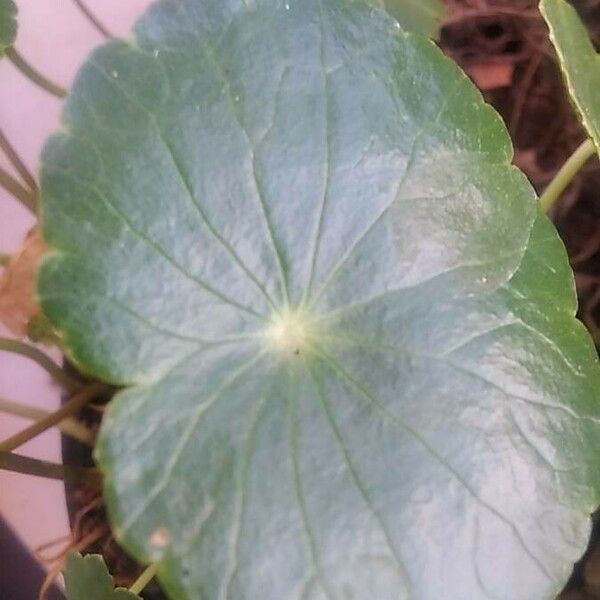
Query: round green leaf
[8, 24]
[579, 62]
[348, 336]
[87, 578]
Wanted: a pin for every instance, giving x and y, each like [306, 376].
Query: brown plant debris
[18, 300]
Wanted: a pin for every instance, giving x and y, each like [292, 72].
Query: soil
[503, 45]
[87, 512]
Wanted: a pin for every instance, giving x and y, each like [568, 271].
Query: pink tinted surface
[55, 37]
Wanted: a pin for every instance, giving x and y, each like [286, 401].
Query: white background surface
[55, 37]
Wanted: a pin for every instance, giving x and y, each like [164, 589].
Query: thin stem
[17, 162]
[69, 426]
[32, 74]
[41, 468]
[144, 579]
[31, 352]
[93, 19]
[13, 187]
[69, 408]
[566, 174]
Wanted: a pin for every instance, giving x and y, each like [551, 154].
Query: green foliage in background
[8, 24]
[579, 61]
[87, 578]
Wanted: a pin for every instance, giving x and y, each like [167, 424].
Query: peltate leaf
[423, 16]
[8, 24]
[579, 62]
[87, 578]
[348, 335]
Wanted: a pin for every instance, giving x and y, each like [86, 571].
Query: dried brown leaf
[18, 300]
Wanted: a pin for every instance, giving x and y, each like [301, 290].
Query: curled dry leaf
[18, 301]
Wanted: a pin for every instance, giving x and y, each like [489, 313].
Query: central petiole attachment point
[288, 333]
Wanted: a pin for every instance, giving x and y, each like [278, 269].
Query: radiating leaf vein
[185, 183]
[399, 423]
[150, 243]
[314, 253]
[396, 194]
[242, 483]
[344, 449]
[294, 426]
[195, 422]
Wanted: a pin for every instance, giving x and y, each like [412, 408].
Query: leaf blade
[578, 61]
[87, 578]
[342, 425]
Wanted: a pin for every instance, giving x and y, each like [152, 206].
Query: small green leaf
[8, 24]
[87, 578]
[292, 229]
[422, 16]
[579, 62]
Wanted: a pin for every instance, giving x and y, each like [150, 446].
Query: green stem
[13, 187]
[41, 468]
[69, 408]
[17, 162]
[93, 19]
[144, 579]
[69, 426]
[4, 259]
[16, 347]
[32, 74]
[566, 174]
